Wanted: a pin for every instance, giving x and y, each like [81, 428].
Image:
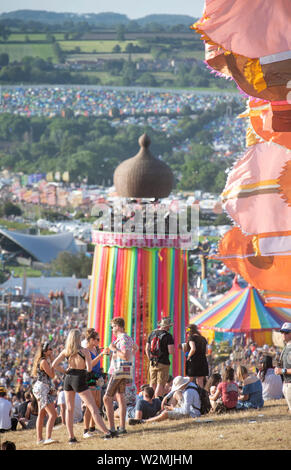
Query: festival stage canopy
[42, 248]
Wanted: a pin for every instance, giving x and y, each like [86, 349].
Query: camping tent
[240, 311]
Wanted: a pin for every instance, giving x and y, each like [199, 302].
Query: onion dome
[143, 176]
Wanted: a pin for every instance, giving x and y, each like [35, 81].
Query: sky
[131, 8]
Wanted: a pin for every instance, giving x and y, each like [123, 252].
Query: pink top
[229, 393]
[252, 28]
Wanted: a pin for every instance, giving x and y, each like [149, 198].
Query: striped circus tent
[241, 311]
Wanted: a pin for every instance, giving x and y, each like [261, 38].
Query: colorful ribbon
[141, 285]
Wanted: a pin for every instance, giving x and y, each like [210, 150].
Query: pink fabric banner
[252, 195]
[252, 28]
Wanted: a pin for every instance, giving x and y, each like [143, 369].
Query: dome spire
[143, 176]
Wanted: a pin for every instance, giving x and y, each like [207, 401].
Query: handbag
[122, 369]
[91, 378]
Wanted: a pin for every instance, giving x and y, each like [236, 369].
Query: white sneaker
[96, 431]
[40, 442]
[87, 435]
[49, 441]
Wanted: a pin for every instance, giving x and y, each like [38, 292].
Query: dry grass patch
[266, 429]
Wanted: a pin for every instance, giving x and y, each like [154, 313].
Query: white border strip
[269, 59]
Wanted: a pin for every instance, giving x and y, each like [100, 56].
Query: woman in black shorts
[79, 363]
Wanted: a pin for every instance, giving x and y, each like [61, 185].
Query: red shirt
[229, 393]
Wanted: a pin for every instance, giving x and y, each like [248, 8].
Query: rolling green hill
[106, 19]
[49, 17]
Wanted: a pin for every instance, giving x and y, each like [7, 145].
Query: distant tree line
[68, 264]
[7, 209]
[39, 21]
[36, 70]
[123, 72]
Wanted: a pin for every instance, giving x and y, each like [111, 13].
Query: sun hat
[166, 321]
[286, 328]
[179, 382]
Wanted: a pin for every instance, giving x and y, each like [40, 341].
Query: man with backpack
[160, 345]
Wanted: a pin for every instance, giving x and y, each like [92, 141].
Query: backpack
[204, 399]
[155, 345]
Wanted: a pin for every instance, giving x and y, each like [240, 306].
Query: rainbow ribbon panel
[141, 285]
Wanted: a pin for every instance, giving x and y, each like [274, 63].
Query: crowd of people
[51, 373]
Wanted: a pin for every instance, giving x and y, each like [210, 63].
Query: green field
[104, 77]
[18, 271]
[21, 45]
[107, 79]
[18, 51]
[94, 46]
[11, 225]
[199, 55]
[94, 57]
[22, 37]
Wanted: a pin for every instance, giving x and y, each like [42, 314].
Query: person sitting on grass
[146, 407]
[252, 392]
[31, 413]
[211, 386]
[140, 395]
[185, 402]
[226, 396]
[272, 384]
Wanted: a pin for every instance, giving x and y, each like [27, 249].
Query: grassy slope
[251, 430]
[20, 50]
[18, 47]
[94, 46]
